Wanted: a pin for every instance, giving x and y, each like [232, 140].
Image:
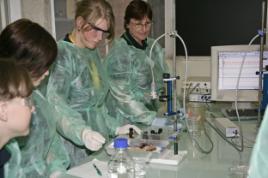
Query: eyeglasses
[105, 33]
[139, 25]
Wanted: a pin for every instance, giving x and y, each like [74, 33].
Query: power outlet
[195, 97]
[198, 85]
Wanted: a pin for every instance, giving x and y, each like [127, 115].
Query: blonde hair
[92, 10]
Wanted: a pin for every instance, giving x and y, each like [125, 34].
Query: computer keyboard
[244, 114]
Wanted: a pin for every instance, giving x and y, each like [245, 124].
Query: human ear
[127, 26]
[3, 111]
[79, 22]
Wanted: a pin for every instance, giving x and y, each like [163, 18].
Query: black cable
[197, 143]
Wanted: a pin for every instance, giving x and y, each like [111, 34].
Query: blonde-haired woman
[77, 84]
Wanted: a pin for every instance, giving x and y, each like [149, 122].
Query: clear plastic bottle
[121, 164]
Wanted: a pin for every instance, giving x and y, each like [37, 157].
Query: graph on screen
[226, 62]
[229, 67]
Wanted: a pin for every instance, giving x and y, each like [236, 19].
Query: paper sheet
[87, 170]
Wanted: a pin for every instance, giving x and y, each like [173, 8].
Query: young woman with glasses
[15, 106]
[77, 85]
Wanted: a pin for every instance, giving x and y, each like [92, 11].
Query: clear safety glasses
[92, 27]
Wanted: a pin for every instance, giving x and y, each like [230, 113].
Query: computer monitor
[225, 66]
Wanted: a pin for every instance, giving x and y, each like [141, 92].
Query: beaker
[196, 113]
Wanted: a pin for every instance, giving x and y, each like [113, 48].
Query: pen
[97, 169]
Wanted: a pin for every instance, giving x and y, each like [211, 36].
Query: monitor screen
[225, 67]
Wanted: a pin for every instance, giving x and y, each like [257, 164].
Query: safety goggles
[92, 27]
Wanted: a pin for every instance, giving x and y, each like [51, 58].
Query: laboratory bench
[224, 161]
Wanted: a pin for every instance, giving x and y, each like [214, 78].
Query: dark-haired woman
[29, 45]
[130, 69]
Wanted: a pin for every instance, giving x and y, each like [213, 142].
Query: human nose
[99, 35]
[143, 27]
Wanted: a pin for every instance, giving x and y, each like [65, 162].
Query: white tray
[136, 142]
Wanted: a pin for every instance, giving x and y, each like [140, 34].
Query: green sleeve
[259, 163]
[70, 123]
[57, 157]
[128, 72]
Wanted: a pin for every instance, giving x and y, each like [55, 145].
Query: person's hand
[125, 129]
[92, 140]
[55, 174]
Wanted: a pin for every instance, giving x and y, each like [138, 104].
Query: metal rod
[174, 96]
[260, 94]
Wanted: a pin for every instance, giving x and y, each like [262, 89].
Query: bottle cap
[120, 143]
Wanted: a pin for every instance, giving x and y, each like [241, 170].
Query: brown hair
[137, 9]
[15, 81]
[92, 10]
[30, 45]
